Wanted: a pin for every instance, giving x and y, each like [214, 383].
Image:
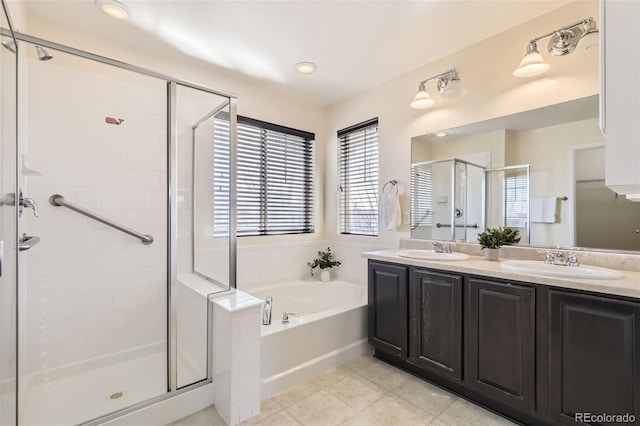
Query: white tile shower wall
[92, 290]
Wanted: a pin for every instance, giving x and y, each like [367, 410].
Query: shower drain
[116, 395]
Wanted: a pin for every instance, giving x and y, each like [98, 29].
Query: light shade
[452, 89]
[532, 63]
[422, 99]
[113, 8]
[590, 38]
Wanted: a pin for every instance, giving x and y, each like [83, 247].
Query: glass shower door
[8, 232]
[92, 298]
[204, 123]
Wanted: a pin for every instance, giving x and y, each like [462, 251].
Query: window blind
[421, 196]
[274, 182]
[220, 176]
[358, 168]
[516, 196]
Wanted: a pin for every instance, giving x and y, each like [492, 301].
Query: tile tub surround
[362, 392]
[236, 355]
[629, 286]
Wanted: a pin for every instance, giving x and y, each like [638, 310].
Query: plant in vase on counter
[494, 238]
[325, 262]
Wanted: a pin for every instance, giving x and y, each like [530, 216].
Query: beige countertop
[628, 286]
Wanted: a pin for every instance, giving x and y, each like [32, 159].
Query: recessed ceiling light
[113, 8]
[441, 134]
[306, 67]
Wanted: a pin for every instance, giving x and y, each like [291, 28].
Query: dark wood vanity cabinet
[388, 308]
[535, 353]
[594, 356]
[435, 322]
[501, 333]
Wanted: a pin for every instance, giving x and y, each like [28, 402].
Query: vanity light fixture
[113, 8]
[448, 84]
[562, 42]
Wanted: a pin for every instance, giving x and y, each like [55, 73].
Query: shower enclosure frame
[454, 162]
[172, 169]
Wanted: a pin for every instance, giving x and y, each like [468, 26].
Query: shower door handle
[27, 241]
[1, 257]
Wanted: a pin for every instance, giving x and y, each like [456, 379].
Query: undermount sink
[431, 255]
[538, 267]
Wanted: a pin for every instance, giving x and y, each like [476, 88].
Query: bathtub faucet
[266, 311]
[285, 317]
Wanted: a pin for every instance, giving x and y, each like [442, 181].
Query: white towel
[544, 209]
[390, 213]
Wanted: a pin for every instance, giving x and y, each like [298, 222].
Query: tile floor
[362, 392]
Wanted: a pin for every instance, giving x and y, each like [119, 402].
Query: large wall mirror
[541, 171]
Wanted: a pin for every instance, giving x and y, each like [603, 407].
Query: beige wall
[485, 68]
[254, 98]
[549, 151]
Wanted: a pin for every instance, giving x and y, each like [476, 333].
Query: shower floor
[83, 391]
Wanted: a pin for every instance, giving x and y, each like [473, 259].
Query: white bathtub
[329, 328]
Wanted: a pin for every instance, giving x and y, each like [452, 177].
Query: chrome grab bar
[446, 225]
[59, 201]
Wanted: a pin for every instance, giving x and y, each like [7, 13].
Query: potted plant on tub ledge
[493, 238]
[325, 262]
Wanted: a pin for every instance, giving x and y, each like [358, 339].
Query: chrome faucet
[28, 202]
[440, 247]
[285, 317]
[551, 257]
[572, 259]
[266, 311]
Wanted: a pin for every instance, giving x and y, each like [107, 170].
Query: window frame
[367, 187]
[270, 134]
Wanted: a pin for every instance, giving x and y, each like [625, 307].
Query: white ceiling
[356, 44]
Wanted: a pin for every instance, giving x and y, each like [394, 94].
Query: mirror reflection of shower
[43, 54]
[447, 199]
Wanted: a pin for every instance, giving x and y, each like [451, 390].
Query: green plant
[323, 261]
[494, 238]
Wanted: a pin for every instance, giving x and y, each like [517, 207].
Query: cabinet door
[388, 308]
[435, 327]
[594, 358]
[620, 29]
[501, 355]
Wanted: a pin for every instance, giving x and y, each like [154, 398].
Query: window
[358, 168]
[516, 196]
[275, 180]
[421, 196]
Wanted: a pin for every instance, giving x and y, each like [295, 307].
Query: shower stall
[101, 164]
[447, 199]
